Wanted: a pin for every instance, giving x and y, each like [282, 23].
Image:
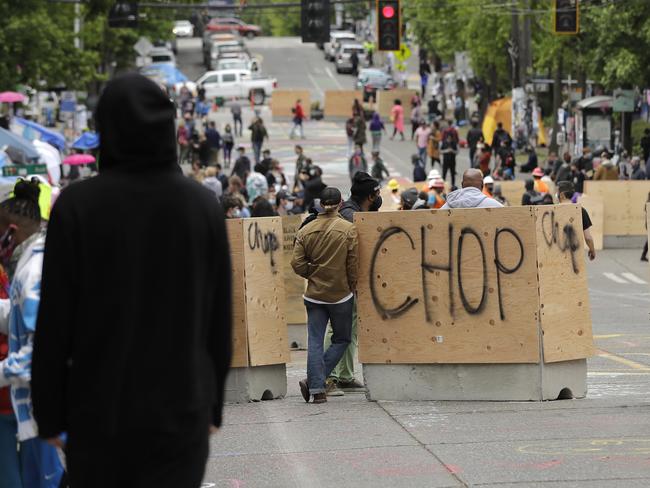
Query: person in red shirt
[298, 117]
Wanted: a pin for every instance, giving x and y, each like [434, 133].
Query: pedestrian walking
[325, 254]
[376, 128]
[474, 136]
[137, 403]
[298, 118]
[416, 118]
[470, 195]
[422, 134]
[242, 164]
[214, 140]
[349, 133]
[21, 249]
[449, 149]
[565, 191]
[258, 136]
[359, 135]
[433, 144]
[379, 169]
[357, 108]
[357, 162]
[425, 72]
[183, 140]
[238, 125]
[397, 118]
[228, 143]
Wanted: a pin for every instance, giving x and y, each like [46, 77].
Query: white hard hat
[488, 179]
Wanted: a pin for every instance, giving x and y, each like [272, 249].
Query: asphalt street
[602, 441]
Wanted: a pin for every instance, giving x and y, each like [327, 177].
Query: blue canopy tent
[166, 72]
[87, 140]
[47, 135]
[18, 145]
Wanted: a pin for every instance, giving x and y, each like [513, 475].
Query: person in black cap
[409, 198]
[364, 196]
[325, 254]
[242, 165]
[131, 367]
[284, 202]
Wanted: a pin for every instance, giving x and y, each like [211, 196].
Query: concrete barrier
[472, 304]
[260, 350]
[282, 101]
[386, 98]
[338, 103]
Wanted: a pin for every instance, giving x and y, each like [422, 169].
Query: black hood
[135, 121]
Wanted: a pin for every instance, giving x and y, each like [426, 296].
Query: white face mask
[236, 213]
[288, 205]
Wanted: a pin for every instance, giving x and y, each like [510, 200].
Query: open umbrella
[12, 97]
[47, 135]
[77, 159]
[87, 140]
[167, 73]
[18, 146]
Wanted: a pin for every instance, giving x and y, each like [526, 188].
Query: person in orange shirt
[540, 186]
[488, 185]
[436, 193]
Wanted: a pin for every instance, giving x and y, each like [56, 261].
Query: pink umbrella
[77, 159]
[11, 97]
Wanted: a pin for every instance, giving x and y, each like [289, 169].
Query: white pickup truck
[237, 83]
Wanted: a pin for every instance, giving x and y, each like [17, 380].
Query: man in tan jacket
[325, 253]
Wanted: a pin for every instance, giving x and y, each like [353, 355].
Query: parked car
[183, 28]
[232, 24]
[344, 54]
[372, 79]
[217, 47]
[332, 46]
[235, 83]
[235, 61]
[162, 55]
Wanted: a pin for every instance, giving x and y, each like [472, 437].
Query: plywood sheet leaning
[282, 101]
[338, 103]
[294, 285]
[455, 286]
[239, 334]
[267, 330]
[564, 295]
[624, 205]
[595, 207]
[385, 99]
[512, 191]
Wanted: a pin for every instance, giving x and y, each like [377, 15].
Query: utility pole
[77, 26]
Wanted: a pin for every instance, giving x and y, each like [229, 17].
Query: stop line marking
[625, 278]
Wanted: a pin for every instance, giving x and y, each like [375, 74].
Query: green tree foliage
[282, 21]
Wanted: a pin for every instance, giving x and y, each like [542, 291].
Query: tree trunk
[557, 103]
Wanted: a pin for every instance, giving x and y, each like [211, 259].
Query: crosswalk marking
[634, 278]
[615, 278]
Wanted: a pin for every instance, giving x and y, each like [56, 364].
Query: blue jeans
[257, 149]
[321, 363]
[9, 459]
[422, 152]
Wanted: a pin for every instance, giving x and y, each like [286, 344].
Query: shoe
[331, 389]
[304, 390]
[320, 398]
[644, 258]
[352, 385]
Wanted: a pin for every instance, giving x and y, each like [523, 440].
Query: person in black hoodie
[134, 325]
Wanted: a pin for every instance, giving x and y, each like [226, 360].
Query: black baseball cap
[284, 195]
[330, 196]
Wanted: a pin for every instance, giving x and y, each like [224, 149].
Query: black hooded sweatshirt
[134, 326]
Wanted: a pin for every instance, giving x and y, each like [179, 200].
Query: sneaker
[331, 389]
[320, 398]
[304, 390]
[644, 258]
[352, 385]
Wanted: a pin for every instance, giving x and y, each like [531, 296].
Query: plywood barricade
[464, 286]
[514, 190]
[294, 285]
[595, 207]
[386, 98]
[259, 326]
[338, 103]
[282, 101]
[624, 205]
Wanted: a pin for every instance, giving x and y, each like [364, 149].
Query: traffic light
[388, 25]
[315, 20]
[566, 17]
[123, 14]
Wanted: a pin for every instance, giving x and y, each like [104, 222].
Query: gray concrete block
[475, 382]
[256, 383]
[623, 242]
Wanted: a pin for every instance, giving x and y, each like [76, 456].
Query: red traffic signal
[389, 25]
[387, 12]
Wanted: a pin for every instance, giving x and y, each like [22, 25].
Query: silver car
[344, 54]
[336, 39]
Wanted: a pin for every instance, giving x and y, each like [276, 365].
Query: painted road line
[634, 278]
[329, 73]
[615, 278]
[318, 88]
[627, 362]
[619, 373]
[607, 336]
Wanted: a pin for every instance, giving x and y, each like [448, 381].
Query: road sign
[404, 53]
[68, 102]
[623, 101]
[143, 46]
[24, 170]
